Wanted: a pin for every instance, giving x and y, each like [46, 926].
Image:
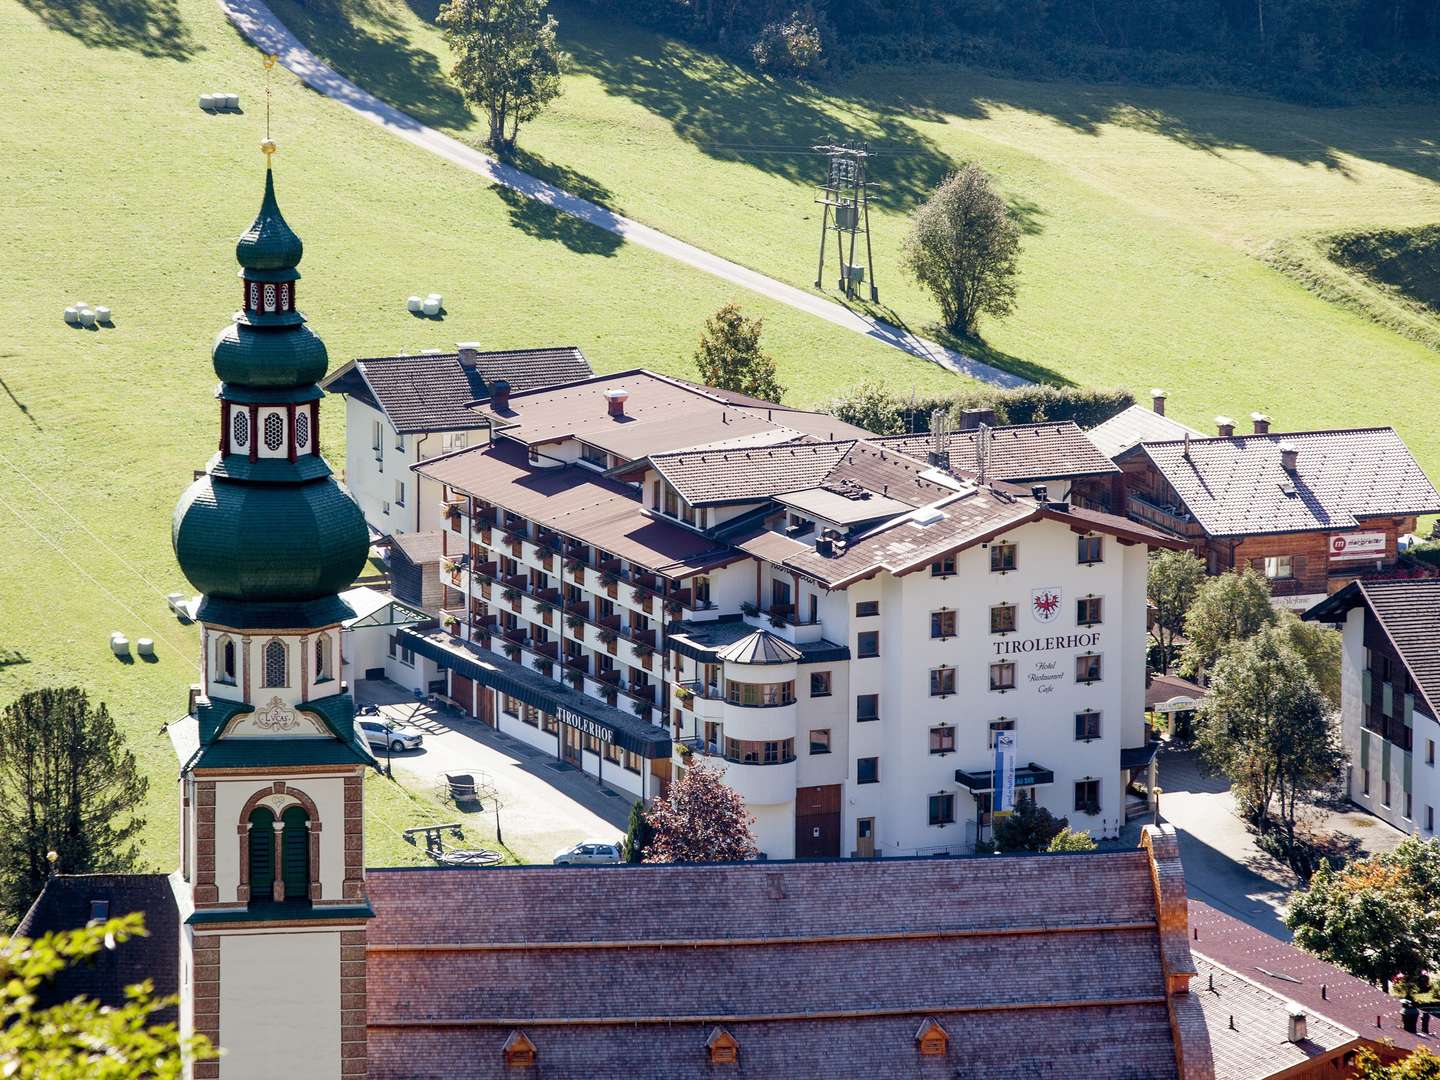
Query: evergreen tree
[68, 784]
[1029, 827]
[638, 834]
[730, 357]
[700, 820]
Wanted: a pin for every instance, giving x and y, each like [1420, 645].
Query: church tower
[272, 813]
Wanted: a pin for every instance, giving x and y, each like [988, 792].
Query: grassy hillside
[1146, 210]
[120, 191]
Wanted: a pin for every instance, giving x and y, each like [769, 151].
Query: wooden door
[570, 744]
[817, 822]
[462, 692]
[865, 837]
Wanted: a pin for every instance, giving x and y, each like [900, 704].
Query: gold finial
[269, 60]
[268, 148]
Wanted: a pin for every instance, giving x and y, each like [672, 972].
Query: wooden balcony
[1173, 519]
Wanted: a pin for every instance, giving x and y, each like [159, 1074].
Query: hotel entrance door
[570, 745]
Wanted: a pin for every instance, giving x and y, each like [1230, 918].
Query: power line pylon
[846, 199]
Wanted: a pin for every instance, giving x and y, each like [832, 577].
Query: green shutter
[295, 854]
[1409, 714]
[1366, 688]
[1364, 749]
[1387, 698]
[1385, 745]
[262, 855]
[1406, 780]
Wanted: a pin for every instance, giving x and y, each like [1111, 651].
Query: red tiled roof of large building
[578, 502]
[431, 391]
[1032, 965]
[1256, 976]
[1237, 486]
[660, 414]
[1018, 453]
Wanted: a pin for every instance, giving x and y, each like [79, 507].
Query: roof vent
[1298, 1026]
[824, 546]
[927, 515]
[1289, 457]
[518, 1049]
[722, 1048]
[1157, 401]
[1225, 426]
[932, 1040]
[615, 398]
[1261, 422]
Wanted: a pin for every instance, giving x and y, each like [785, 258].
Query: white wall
[280, 1005]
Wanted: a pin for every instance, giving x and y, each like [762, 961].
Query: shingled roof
[69, 901]
[1236, 486]
[1019, 453]
[1033, 966]
[430, 391]
[1408, 611]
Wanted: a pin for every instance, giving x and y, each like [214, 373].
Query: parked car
[391, 735]
[589, 853]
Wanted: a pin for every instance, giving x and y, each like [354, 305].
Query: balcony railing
[702, 689]
[1171, 518]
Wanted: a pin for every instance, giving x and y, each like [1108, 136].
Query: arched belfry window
[240, 430]
[225, 660]
[295, 853]
[262, 854]
[275, 664]
[324, 659]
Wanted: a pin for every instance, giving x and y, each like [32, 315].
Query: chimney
[469, 351]
[615, 400]
[500, 395]
[1225, 426]
[970, 419]
[1261, 422]
[1289, 456]
[1409, 1016]
[1040, 493]
[1157, 401]
[1298, 1027]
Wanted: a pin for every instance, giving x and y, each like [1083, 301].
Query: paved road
[258, 23]
[1223, 866]
[543, 809]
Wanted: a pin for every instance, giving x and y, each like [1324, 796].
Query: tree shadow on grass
[385, 63]
[979, 349]
[563, 176]
[542, 222]
[151, 28]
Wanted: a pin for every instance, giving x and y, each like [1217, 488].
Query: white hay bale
[432, 307]
[414, 304]
[72, 315]
[145, 646]
[87, 317]
[102, 314]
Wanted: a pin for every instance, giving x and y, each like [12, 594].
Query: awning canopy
[1137, 757]
[569, 706]
[1031, 775]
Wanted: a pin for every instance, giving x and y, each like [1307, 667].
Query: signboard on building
[1358, 545]
[1004, 780]
[584, 723]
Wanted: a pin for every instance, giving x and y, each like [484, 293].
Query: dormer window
[932, 1040]
[722, 1048]
[518, 1050]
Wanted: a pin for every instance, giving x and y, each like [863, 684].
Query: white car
[589, 853]
[390, 735]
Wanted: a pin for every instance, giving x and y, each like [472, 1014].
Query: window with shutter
[262, 855]
[295, 853]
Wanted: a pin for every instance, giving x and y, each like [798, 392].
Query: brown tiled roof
[64, 904]
[708, 477]
[1018, 452]
[1034, 965]
[1409, 612]
[661, 414]
[1322, 989]
[1133, 425]
[430, 392]
[1236, 487]
[578, 502]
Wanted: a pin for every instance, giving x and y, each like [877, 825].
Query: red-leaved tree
[700, 820]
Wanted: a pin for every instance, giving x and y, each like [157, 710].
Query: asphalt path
[255, 20]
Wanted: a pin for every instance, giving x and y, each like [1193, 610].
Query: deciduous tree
[964, 247]
[1227, 608]
[68, 784]
[1068, 839]
[80, 1039]
[1173, 581]
[700, 819]
[1265, 725]
[1378, 917]
[1319, 646]
[730, 357]
[507, 60]
[1419, 1064]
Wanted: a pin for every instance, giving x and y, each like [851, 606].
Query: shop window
[867, 770]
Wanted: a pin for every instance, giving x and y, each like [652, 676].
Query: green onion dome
[267, 542]
[254, 357]
[269, 243]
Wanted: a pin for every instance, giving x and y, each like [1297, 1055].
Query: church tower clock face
[272, 841]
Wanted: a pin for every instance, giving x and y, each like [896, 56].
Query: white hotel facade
[642, 575]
